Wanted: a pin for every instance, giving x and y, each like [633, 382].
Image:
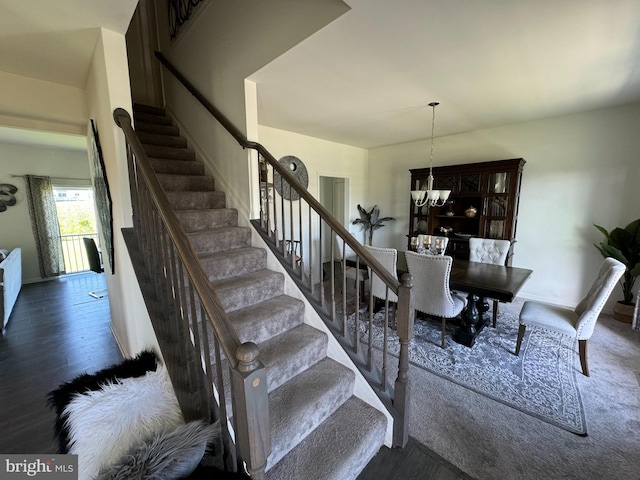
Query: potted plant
[623, 244]
[371, 221]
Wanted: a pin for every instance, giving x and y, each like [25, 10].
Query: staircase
[319, 429]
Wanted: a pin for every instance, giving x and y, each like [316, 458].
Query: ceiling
[54, 41]
[366, 79]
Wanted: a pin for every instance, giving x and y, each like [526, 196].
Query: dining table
[478, 281]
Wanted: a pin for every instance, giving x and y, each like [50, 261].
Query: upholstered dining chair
[489, 250]
[580, 322]
[431, 293]
[359, 276]
[388, 257]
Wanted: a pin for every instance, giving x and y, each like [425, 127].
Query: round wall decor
[298, 170]
[6, 196]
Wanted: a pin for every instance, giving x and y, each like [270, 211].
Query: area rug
[540, 382]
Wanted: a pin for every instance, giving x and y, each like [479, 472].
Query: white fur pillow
[107, 423]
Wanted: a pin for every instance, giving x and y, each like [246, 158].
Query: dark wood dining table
[478, 281]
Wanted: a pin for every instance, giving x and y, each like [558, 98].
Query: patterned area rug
[540, 382]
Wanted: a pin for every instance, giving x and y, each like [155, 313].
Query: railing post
[251, 410]
[402, 387]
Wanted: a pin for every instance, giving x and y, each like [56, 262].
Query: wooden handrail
[326, 216]
[225, 332]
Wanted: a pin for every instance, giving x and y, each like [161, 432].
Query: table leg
[466, 332]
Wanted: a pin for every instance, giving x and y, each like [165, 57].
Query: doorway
[333, 195]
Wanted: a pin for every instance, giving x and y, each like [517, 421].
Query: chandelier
[429, 196]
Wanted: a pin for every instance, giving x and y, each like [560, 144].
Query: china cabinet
[483, 203]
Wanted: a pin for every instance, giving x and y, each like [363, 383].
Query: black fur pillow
[59, 399]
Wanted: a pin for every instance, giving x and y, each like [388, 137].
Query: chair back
[348, 251]
[92, 255]
[388, 257]
[431, 283]
[488, 250]
[591, 305]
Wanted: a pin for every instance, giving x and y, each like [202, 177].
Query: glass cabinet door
[498, 182]
[470, 183]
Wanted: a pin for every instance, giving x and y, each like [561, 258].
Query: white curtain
[44, 222]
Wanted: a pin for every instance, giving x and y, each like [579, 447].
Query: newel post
[251, 410]
[402, 386]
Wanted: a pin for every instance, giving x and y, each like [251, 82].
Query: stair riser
[179, 167]
[171, 153]
[323, 389]
[154, 119]
[171, 130]
[148, 109]
[250, 294]
[259, 323]
[162, 140]
[219, 240]
[198, 220]
[219, 268]
[189, 183]
[196, 200]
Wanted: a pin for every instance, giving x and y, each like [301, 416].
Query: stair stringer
[362, 388]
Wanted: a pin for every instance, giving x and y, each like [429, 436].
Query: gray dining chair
[388, 258]
[579, 322]
[431, 293]
[358, 275]
[489, 250]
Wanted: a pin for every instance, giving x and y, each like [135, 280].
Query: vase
[623, 312]
[471, 211]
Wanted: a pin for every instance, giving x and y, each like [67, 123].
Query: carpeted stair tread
[159, 129]
[151, 138]
[145, 117]
[196, 200]
[304, 402]
[219, 239]
[184, 167]
[257, 323]
[338, 449]
[290, 353]
[148, 109]
[229, 263]
[248, 289]
[186, 183]
[198, 220]
[157, 151]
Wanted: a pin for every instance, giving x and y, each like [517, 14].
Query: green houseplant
[623, 244]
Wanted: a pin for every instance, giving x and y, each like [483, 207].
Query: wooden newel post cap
[407, 280]
[247, 356]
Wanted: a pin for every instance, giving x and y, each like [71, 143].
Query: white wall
[41, 105]
[15, 224]
[581, 169]
[223, 45]
[108, 88]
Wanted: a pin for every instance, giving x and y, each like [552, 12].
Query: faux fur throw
[107, 423]
[170, 455]
[59, 399]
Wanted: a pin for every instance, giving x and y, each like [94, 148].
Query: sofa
[10, 282]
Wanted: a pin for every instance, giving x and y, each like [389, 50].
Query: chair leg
[495, 312]
[444, 323]
[520, 337]
[582, 348]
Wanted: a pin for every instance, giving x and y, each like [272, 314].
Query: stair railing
[197, 340]
[295, 231]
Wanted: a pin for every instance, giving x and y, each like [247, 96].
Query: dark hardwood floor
[58, 331]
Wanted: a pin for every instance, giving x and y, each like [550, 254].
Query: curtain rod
[53, 178]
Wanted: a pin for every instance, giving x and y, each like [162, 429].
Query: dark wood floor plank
[56, 332]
